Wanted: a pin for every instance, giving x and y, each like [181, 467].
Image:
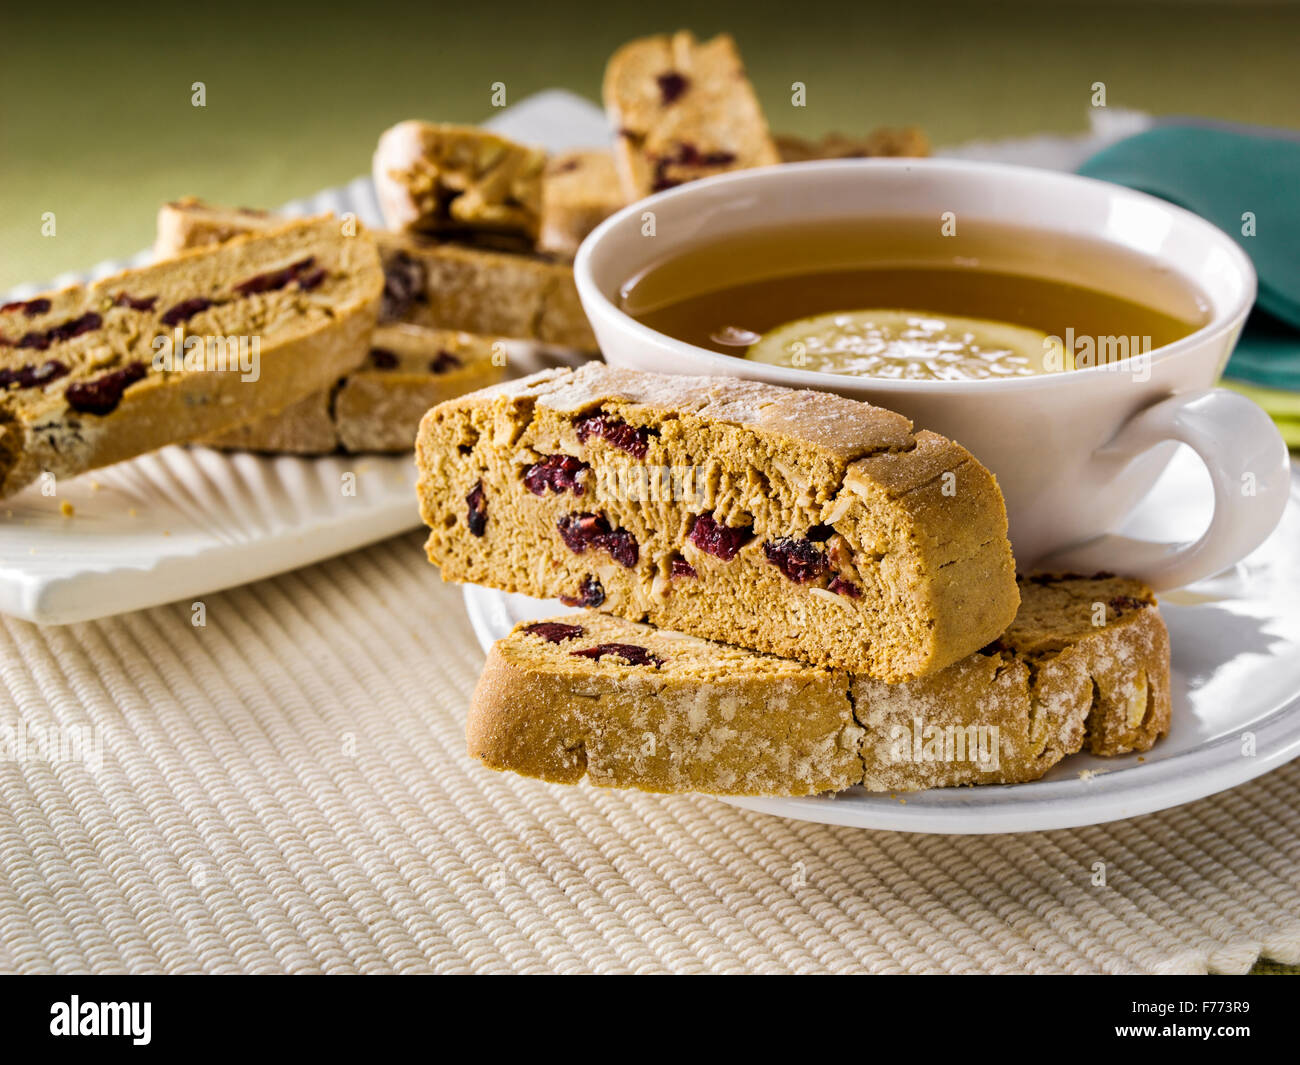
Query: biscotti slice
[794, 522]
[450, 286]
[453, 181]
[883, 143]
[682, 110]
[190, 223]
[579, 191]
[1085, 664]
[631, 706]
[170, 352]
[378, 407]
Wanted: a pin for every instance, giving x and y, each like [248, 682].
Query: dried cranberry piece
[797, 559]
[274, 280]
[31, 375]
[88, 321]
[819, 534]
[311, 279]
[555, 631]
[39, 341]
[405, 284]
[143, 303]
[679, 567]
[631, 653]
[444, 361]
[671, 86]
[1126, 602]
[30, 308]
[721, 541]
[581, 531]
[555, 473]
[383, 359]
[615, 433]
[476, 518]
[185, 310]
[840, 586]
[104, 393]
[591, 593]
[622, 547]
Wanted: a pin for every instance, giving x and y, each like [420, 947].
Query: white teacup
[1075, 452]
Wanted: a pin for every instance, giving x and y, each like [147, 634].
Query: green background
[96, 122]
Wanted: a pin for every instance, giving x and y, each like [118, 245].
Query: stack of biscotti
[792, 575]
[95, 374]
[793, 522]
[466, 208]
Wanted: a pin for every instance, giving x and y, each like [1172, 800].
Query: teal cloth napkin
[1221, 173]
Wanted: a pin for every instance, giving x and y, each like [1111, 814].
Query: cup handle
[1249, 467]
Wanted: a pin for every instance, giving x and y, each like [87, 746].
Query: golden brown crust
[673, 713]
[860, 545]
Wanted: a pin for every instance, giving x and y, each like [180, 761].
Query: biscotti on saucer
[632, 706]
[1084, 665]
[450, 181]
[170, 352]
[793, 522]
[683, 109]
[377, 407]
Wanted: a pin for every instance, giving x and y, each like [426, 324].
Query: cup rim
[595, 302]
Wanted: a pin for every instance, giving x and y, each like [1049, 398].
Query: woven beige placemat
[285, 788]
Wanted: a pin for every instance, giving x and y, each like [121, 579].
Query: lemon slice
[910, 345]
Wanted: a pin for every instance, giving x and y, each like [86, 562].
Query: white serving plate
[186, 521]
[1236, 670]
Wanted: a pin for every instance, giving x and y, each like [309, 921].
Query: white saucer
[1236, 670]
